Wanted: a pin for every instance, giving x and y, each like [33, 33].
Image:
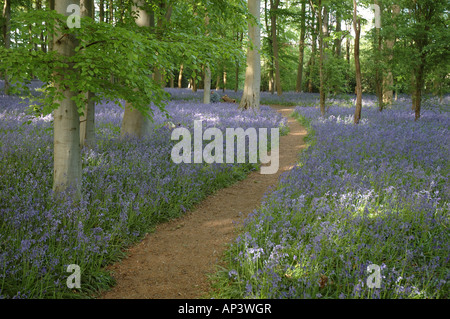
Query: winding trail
[174, 261]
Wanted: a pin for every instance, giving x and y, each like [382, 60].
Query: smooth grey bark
[312, 59]
[357, 28]
[270, 48]
[180, 77]
[135, 123]
[66, 142]
[298, 87]
[6, 38]
[378, 68]
[321, 60]
[207, 76]
[338, 41]
[388, 78]
[207, 86]
[87, 120]
[251, 95]
[274, 5]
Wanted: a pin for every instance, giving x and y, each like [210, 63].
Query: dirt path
[174, 261]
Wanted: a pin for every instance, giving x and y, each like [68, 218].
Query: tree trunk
[312, 60]
[135, 123]
[298, 87]
[180, 77]
[251, 95]
[418, 94]
[172, 80]
[87, 120]
[207, 71]
[239, 37]
[357, 27]
[111, 11]
[194, 82]
[207, 86]
[326, 29]
[274, 4]
[338, 41]
[419, 83]
[388, 79]
[6, 38]
[224, 80]
[321, 58]
[347, 47]
[102, 11]
[270, 48]
[161, 25]
[218, 82]
[66, 143]
[379, 71]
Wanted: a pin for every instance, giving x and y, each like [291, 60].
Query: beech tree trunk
[207, 86]
[251, 95]
[271, 83]
[102, 11]
[180, 77]
[239, 37]
[66, 125]
[274, 4]
[357, 27]
[87, 120]
[312, 60]
[321, 58]
[379, 71]
[6, 37]
[224, 80]
[207, 77]
[338, 41]
[134, 122]
[298, 87]
[418, 90]
[388, 79]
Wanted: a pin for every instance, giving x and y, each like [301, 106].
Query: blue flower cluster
[374, 193]
[128, 186]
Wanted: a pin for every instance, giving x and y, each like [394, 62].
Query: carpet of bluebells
[128, 187]
[370, 194]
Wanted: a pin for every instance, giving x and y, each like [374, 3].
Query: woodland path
[174, 261]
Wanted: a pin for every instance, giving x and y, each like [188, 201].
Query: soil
[175, 260]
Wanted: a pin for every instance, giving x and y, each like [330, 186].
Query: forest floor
[175, 260]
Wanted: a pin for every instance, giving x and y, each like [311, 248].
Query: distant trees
[427, 31]
[129, 50]
[125, 52]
